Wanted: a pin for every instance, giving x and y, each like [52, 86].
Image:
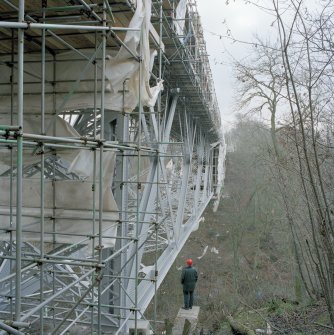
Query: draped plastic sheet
[70, 202]
[220, 174]
[74, 75]
[70, 86]
[123, 67]
[31, 126]
[180, 14]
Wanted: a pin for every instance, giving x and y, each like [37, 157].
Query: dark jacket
[189, 278]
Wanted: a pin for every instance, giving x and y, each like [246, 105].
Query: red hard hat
[189, 261]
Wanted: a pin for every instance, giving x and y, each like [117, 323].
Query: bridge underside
[110, 150]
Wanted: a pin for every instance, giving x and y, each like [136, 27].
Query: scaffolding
[110, 150]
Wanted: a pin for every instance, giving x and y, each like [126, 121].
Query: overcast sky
[244, 21]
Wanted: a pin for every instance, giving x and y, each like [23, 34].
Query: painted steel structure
[101, 183]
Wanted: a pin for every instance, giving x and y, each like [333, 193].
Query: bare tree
[296, 77]
[262, 84]
[306, 81]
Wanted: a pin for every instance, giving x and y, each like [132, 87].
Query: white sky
[244, 21]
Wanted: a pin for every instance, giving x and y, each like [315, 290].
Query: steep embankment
[232, 265]
[243, 252]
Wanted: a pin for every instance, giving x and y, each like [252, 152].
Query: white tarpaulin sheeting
[70, 84]
[123, 67]
[220, 173]
[70, 202]
[68, 225]
[180, 14]
[32, 126]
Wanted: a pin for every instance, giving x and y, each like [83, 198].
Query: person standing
[189, 278]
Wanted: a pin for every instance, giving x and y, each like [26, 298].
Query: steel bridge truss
[96, 201]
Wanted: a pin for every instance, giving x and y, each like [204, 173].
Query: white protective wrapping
[220, 174]
[69, 85]
[74, 75]
[124, 68]
[72, 200]
[180, 14]
[31, 126]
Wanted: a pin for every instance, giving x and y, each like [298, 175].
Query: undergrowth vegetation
[249, 269]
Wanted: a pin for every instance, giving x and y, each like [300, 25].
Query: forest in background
[272, 239]
[245, 252]
[288, 84]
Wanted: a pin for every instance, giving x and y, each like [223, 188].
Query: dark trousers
[188, 298]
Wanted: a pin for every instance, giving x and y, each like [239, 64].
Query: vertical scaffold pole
[138, 179]
[42, 176]
[20, 53]
[94, 177]
[54, 184]
[11, 196]
[100, 246]
[124, 205]
[159, 140]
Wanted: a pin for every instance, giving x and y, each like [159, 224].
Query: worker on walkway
[189, 278]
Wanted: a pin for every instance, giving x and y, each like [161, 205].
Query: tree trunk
[238, 327]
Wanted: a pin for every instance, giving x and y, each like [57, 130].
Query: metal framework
[96, 201]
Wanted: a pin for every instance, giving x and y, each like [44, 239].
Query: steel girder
[162, 180]
[171, 191]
